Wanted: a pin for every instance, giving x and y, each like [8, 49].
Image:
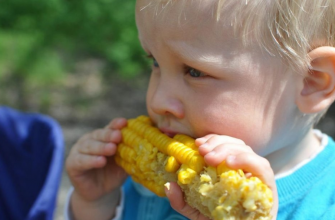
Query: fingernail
[204, 146]
[99, 159]
[113, 135]
[200, 139]
[109, 146]
[210, 154]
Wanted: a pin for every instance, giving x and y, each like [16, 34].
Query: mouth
[168, 132]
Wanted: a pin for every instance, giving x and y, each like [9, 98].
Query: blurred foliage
[42, 40]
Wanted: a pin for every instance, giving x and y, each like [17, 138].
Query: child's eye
[195, 73]
[154, 62]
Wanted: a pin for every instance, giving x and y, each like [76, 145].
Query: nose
[165, 98]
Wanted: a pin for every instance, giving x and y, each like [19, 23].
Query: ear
[318, 91]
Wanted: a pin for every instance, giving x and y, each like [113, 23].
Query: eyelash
[187, 69]
[191, 71]
[154, 61]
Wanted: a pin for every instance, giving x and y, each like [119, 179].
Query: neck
[288, 157]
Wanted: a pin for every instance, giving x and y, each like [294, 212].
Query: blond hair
[290, 28]
[294, 27]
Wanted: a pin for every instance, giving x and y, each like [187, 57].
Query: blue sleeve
[132, 199]
[141, 205]
[31, 158]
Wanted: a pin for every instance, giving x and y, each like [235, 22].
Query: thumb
[177, 202]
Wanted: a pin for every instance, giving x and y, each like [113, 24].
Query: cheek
[245, 122]
[150, 91]
[148, 98]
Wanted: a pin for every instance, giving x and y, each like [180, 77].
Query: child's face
[208, 82]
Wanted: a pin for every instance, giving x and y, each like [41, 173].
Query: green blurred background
[63, 57]
[77, 61]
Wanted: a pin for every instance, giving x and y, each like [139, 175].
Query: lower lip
[168, 133]
[171, 135]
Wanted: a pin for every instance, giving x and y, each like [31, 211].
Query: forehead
[179, 11]
[182, 21]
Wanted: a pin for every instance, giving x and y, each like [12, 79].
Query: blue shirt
[309, 193]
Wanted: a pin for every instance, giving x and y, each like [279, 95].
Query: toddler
[248, 79]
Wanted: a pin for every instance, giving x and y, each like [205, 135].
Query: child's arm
[237, 155]
[95, 176]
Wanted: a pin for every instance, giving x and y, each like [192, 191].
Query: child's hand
[176, 198]
[91, 167]
[237, 155]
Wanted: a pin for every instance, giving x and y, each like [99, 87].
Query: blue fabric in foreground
[31, 162]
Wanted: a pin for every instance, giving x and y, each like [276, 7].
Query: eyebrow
[204, 61]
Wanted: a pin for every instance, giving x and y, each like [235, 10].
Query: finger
[209, 142]
[176, 198]
[220, 138]
[106, 135]
[98, 148]
[81, 163]
[254, 164]
[117, 123]
[220, 153]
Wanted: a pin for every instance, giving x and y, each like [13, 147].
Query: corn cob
[153, 159]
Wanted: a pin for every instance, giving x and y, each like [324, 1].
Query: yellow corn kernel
[153, 159]
[172, 165]
[165, 144]
[144, 119]
[186, 174]
[127, 153]
[221, 168]
[188, 141]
